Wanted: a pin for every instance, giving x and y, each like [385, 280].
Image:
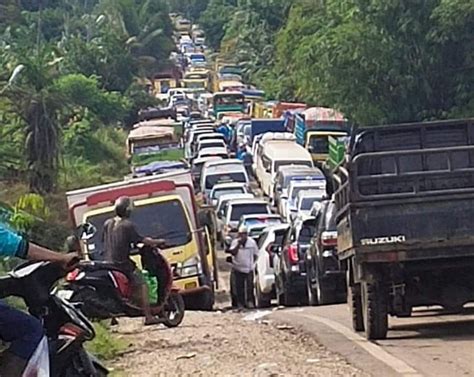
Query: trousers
[242, 289]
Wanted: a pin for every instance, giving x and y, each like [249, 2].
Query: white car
[197, 165]
[221, 209]
[215, 174]
[305, 201]
[210, 136]
[256, 223]
[225, 189]
[218, 151]
[190, 140]
[239, 207]
[287, 203]
[264, 275]
[210, 143]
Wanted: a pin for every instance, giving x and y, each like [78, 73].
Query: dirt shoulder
[220, 344]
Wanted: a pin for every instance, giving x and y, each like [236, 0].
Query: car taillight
[71, 330]
[72, 276]
[329, 238]
[293, 253]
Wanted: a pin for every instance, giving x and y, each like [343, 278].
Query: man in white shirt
[244, 252]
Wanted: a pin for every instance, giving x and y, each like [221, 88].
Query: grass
[170, 155]
[106, 345]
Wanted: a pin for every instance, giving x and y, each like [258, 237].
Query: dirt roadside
[225, 344]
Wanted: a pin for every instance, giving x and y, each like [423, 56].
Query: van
[212, 175]
[277, 150]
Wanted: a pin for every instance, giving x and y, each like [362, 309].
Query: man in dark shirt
[120, 234]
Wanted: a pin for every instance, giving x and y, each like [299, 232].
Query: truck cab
[163, 209]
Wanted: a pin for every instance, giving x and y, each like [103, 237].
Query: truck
[313, 126]
[280, 107]
[164, 207]
[261, 126]
[405, 210]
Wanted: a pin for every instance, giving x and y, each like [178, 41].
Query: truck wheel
[312, 299]
[354, 300]
[289, 299]
[375, 313]
[263, 300]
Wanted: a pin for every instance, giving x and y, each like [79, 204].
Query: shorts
[136, 278]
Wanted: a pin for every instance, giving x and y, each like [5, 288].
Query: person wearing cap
[244, 252]
[119, 234]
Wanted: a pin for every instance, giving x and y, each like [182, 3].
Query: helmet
[123, 206]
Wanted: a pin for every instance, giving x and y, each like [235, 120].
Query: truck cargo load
[261, 126]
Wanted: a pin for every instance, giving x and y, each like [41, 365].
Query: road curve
[429, 343]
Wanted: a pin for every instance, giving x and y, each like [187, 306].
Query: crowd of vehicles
[379, 217]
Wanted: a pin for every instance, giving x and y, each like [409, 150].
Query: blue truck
[260, 126]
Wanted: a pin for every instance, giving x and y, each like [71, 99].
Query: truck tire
[354, 300]
[286, 298]
[263, 300]
[375, 310]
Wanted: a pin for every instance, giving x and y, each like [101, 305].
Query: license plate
[65, 294]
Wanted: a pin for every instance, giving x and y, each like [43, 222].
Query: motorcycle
[106, 292]
[66, 328]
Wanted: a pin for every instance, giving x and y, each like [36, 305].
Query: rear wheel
[312, 299]
[375, 313]
[263, 299]
[354, 300]
[173, 311]
[324, 296]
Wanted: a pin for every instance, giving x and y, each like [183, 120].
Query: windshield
[307, 232]
[247, 130]
[238, 210]
[222, 177]
[216, 144]
[229, 99]
[297, 189]
[194, 84]
[263, 221]
[235, 190]
[307, 202]
[165, 220]
[320, 143]
[279, 164]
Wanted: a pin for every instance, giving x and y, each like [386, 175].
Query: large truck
[405, 199]
[281, 107]
[261, 126]
[313, 126]
[165, 207]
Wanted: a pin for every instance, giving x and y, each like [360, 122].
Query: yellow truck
[196, 80]
[165, 207]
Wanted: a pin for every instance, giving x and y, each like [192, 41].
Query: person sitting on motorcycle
[120, 233]
[23, 332]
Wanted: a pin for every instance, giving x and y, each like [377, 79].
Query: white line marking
[375, 350]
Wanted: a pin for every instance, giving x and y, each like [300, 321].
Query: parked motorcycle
[66, 328]
[106, 292]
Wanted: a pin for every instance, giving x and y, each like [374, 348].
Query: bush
[105, 345]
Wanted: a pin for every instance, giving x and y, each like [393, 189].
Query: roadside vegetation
[377, 61]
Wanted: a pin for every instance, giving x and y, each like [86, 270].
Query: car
[270, 239]
[221, 209]
[191, 138]
[286, 174]
[236, 209]
[287, 207]
[197, 166]
[216, 151]
[305, 202]
[221, 173]
[225, 189]
[255, 224]
[210, 136]
[290, 263]
[211, 143]
[325, 277]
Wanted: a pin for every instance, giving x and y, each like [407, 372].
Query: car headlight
[190, 267]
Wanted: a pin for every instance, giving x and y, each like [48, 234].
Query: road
[428, 344]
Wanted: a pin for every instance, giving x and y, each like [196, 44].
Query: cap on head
[123, 206]
[243, 229]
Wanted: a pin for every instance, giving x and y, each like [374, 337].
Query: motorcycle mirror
[86, 231]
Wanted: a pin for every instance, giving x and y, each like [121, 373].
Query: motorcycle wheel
[173, 312]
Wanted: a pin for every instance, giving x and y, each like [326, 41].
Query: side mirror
[86, 231]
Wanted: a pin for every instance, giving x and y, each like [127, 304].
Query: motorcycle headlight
[191, 267]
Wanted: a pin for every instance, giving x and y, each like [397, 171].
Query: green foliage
[171, 155]
[106, 345]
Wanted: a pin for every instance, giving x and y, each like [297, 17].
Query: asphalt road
[428, 344]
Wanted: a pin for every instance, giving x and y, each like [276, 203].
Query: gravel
[225, 344]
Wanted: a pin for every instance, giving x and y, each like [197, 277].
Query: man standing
[119, 236]
[244, 251]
